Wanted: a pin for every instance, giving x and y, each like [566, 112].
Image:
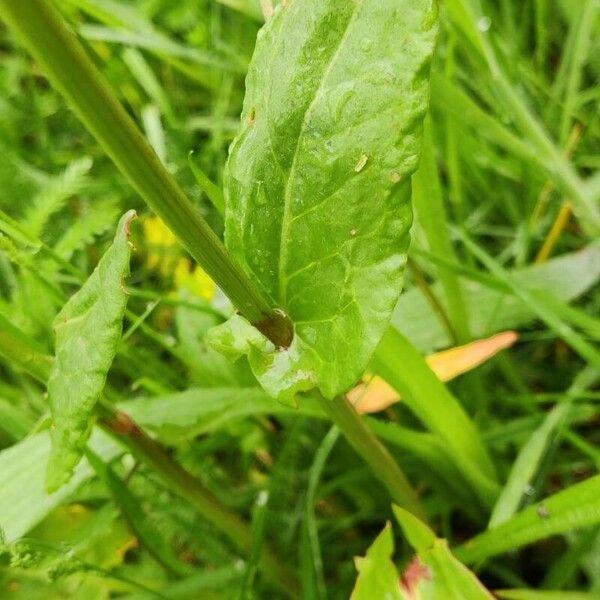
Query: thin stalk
[431, 298]
[559, 225]
[65, 62]
[429, 206]
[373, 452]
[145, 449]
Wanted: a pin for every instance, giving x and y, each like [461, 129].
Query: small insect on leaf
[317, 185]
[88, 329]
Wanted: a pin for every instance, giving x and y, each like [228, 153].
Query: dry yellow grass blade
[374, 394]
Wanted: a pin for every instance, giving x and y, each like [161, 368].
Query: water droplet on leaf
[484, 24]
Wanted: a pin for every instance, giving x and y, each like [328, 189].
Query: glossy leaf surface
[88, 329]
[318, 179]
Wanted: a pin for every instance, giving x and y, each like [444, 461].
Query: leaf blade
[88, 329]
[377, 576]
[318, 144]
[572, 508]
[435, 574]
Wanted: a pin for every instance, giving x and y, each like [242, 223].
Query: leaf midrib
[286, 220]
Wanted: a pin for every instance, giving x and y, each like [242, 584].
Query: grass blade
[575, 507]
[403, 367]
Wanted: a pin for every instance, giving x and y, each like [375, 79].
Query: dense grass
[505, 238]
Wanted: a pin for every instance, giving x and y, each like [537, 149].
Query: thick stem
[68, 67]
[374, 453]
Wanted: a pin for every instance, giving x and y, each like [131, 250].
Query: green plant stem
[25, 355]
[71, 71]
[373, 452]
[188, 487]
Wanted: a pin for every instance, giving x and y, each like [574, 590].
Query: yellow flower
[164, 254]
[194, 280]
[162, 246]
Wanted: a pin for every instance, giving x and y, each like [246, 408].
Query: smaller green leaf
[436, 574]
[281, 372]
[377, 575]
[418, 534]
[88, 330]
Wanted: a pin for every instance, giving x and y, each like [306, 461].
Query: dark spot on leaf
[278, 328]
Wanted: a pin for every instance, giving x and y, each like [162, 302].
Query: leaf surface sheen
[88, 330]
[318, 179]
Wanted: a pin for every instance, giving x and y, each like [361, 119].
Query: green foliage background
[512, 145]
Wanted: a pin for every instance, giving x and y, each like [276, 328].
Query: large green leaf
[318, 180]
[88, 329]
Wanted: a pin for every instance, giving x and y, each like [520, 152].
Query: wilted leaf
[376, 394]
[88, 330]
[318, 180]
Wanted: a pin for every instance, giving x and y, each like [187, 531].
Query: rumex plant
[317, 202]
[318, 181]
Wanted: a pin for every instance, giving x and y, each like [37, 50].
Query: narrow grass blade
[492, 308]
[134, 514]
[314, 579]
[431, 214]
[532, 453]
[537, 303]
[213, 191]
[575, 507]
[403, 367]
